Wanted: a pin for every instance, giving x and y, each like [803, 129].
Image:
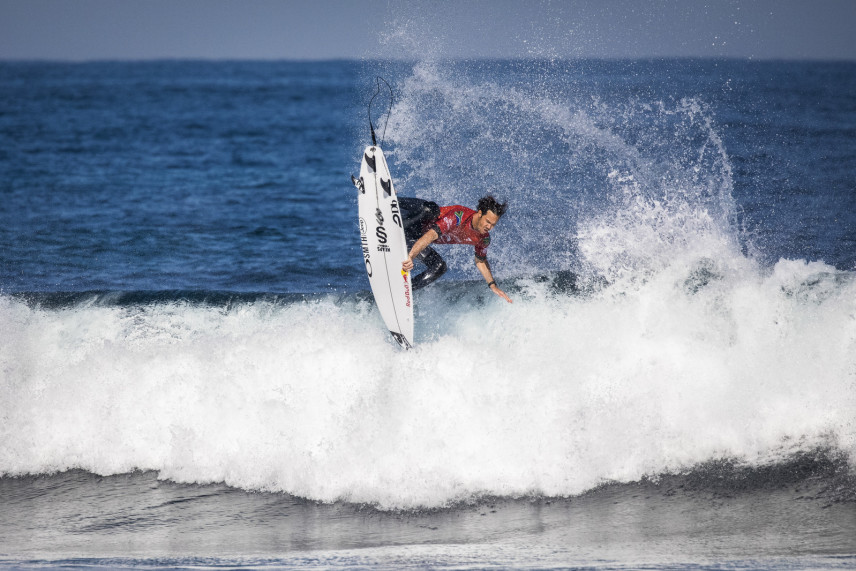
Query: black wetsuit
[418, 216]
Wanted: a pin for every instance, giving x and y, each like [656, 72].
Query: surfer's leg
[417, 213]
[436, 267]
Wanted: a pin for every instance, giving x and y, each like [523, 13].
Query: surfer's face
[483, 223]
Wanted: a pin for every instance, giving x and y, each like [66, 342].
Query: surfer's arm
[422, 243]
[484, 267]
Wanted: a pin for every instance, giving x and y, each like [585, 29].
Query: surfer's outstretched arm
[484, 267]
[422, 243]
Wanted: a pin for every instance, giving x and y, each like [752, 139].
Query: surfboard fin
[358, 182]
[402, 340]
[370, 161]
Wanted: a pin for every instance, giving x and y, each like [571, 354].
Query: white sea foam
[551, 395]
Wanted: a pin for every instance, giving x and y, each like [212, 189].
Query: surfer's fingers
[503, 295]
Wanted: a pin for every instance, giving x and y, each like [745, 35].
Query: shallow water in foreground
[800, 514]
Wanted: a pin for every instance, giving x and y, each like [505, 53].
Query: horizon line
[205, 59]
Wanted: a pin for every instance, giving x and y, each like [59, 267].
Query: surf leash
[388, 111]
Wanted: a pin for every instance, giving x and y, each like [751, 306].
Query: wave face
[553, 395]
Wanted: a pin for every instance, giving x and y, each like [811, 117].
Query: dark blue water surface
[234, 176]
[175, 175]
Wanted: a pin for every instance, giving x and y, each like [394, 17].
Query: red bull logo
[406, 277]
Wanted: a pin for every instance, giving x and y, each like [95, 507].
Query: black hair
[490, 203]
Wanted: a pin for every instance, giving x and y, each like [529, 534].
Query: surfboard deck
[384, 247]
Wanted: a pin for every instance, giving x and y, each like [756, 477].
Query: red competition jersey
[455, 227]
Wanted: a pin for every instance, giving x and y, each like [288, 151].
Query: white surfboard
[383, 244]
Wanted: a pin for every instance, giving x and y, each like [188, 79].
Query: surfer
[427, 223]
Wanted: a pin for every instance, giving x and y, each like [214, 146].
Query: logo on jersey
[459, 216]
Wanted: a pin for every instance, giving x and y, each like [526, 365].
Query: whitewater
[557, 394]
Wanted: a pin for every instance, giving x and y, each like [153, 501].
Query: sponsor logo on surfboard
[381, 235]
[364, 240]
[396, 216]
[380, 232]
[406, 277]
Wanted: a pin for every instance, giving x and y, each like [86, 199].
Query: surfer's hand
[495, 289]
[407, 265]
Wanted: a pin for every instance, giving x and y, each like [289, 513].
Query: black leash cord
[388, 112]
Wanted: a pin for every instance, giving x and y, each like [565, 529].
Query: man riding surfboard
[427, 223]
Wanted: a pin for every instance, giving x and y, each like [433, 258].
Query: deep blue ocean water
[193, 374]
